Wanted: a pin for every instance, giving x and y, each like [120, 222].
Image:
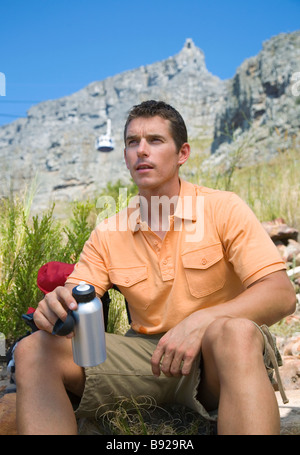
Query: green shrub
[27, 243]
[25, 246]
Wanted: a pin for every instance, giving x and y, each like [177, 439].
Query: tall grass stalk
[271, 189]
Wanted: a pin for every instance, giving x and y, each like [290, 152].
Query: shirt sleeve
[247, 245]
[91, 266]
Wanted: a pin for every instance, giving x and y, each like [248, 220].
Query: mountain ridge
[56, 141]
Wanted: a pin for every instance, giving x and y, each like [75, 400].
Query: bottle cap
[83, 286]
[83, 292]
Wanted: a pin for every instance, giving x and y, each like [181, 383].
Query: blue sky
[52, 48]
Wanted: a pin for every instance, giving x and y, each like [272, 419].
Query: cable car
[105, 143]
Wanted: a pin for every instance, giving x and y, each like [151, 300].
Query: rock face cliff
[56, 141]
[262, 102]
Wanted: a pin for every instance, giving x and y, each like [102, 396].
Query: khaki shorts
[127, 373]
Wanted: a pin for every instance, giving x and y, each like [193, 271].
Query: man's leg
[234, 379]
[44, 369]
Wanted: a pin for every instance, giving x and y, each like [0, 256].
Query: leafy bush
[25, 245]
[28, 243]
[78, 231]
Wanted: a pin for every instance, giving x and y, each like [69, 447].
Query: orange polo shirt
[215, 247]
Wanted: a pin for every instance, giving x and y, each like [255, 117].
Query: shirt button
[127, 280]
[155, 242]
[165, 262]
[204, 261]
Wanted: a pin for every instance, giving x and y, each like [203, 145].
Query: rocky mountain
[262, 104]
[56, 141]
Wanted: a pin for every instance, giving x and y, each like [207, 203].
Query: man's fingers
[167, 359]
[167, 363]
[176, 365]
[54, 306]
[155, 360]
[172, 362]
[44, 318]
[187, 364]
[64, 295]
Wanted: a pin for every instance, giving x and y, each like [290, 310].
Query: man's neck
[156, 207]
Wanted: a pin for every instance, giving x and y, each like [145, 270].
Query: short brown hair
[152, 108]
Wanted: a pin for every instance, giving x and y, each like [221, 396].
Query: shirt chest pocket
[128, 276]
[205, 270]
[133, 284]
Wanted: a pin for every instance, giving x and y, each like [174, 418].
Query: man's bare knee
[43, 351]
[34, 347]
[232, 337]
[27, 349]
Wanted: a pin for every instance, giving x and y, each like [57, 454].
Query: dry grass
[142, 416]
[271, 189]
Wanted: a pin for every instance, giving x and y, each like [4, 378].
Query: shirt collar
[186, 206]
[185, 209]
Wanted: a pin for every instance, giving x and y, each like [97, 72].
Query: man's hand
[53, 306]
[178, 348]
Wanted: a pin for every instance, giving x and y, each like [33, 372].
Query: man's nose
[143, 148]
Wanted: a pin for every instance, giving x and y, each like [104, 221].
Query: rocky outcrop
[56, 141]
[262, 105]
[286, 239]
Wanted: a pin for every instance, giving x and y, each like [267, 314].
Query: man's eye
[132, 142]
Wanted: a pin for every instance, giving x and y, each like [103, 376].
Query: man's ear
[184, 153]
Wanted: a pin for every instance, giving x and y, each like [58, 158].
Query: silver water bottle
[88, 343]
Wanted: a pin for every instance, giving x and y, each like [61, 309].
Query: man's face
[151, 154]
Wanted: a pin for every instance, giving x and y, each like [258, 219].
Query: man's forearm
[267, 301]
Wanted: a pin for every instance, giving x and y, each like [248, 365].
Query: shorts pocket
[204, 269]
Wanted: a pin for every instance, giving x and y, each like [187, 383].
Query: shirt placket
[166, 259]
[163, 252]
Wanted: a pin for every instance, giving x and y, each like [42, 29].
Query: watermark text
[137, 213]
[2, 84]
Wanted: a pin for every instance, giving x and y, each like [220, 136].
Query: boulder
[279, 231]
[292, 347]
[290, 373]
[290, 413]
